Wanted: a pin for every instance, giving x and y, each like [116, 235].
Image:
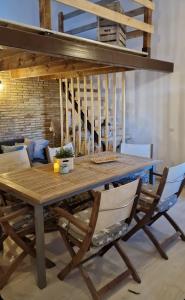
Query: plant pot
[67, 161]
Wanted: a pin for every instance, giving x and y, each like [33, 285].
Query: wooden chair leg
[105, 249]
[140, 223]
[155, 218]
[174, 225]
[89, 283]
[152, 237]
[71, 265]
[155, 242]
[11, 269]
[127, 262]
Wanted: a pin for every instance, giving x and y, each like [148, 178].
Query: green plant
[64, 153]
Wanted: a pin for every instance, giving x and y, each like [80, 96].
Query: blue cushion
[39, 146]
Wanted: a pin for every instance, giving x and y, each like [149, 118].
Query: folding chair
[141, 150]
[11, 161]
[99, 227]
[154, 204]
[17, 222]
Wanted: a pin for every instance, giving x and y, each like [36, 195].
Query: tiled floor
[161, 280]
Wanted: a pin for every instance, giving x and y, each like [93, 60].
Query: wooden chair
[17, 222]
[154, 204]
[99, 227]
[16, 160]
[142, 150]
[12, 209]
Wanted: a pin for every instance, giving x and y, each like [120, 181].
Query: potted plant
[65, 156]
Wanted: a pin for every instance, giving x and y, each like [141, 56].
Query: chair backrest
[142, 150]
[116, 205]
[12, 161]
[50, 152]
[174, 179]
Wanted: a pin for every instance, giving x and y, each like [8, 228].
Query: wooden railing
[90, 115]
[140, 28]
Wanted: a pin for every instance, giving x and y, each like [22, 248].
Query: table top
[41, 186]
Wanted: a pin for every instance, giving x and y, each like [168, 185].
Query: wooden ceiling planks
[16, 59]
[58, 66]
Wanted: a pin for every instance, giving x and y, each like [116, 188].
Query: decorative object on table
[64, 168]
[104, 159]
[64, 156]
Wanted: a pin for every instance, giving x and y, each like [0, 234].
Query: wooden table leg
[40, 247]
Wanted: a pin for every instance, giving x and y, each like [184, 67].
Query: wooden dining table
[41, 187]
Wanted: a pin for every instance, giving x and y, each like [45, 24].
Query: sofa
[33, 160]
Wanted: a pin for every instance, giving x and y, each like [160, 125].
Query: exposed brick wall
[27, 107]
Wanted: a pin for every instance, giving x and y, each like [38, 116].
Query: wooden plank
[83, 28]
[114, 112]
[106, 111]
[134, 34]
[85, 113]
[61, 22]
[61, 112]
[135, 12]
[146, 3]
[147, 38]
[99, 112]
[23, 60]
[79, 115]
[92, 114]
[73, 112]
[51, 68]
[45, 13]
[92, 71]
[123, 107]
[78, 12]
[109, 14]
[71, 47]
[67, 111]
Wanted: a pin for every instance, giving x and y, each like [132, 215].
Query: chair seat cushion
[26, 221]
[100, 238]
[77, 203]
[146, 202]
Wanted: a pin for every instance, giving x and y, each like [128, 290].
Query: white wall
[156, 101]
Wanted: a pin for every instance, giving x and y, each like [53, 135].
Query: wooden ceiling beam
[24, 60]
[88, 72]
[45, 13]
[51, 68]
[65, 46]
[109, 14]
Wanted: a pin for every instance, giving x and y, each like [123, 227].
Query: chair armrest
[15, 214]
[78, 223]
[157, 174]
[150, 194]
